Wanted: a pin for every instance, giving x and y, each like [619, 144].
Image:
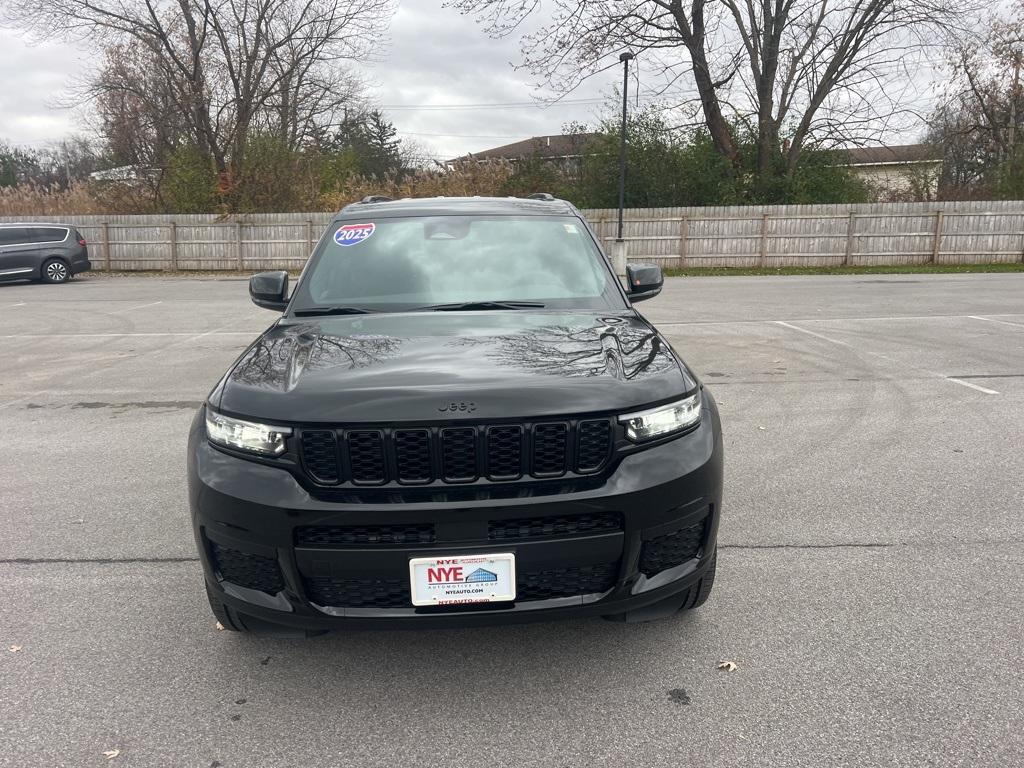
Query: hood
[444, 366]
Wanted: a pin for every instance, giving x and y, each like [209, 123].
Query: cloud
[35, 77]
[433, 56]
[437, 56]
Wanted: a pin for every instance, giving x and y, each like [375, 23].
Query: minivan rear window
[47, 234]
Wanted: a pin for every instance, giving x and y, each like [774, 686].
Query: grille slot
[458, 453]
[366, 456]
[672, 549]
[247, 570]
[358, 593]
[561, 525]
[320, 455]
[363, 535]
[412, 455]
[549, 450]
[593, 445]
[505, 452]
[565, 582]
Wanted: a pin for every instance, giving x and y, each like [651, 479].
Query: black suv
[459, 418]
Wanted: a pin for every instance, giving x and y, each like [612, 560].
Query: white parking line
[663, 323]
[991, 320]
[811, 333]
[132, 309]
[972, 386]
[19, 304]
[889, 359]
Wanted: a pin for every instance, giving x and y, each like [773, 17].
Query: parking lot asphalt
[869, 587]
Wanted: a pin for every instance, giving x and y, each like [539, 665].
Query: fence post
[850, 225]
[309, 236]
[684, 232]
[764, 239]
[173, 228]
[106, 246]
[238, 246]
[937, 239]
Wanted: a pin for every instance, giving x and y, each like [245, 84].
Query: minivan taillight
[81, 241]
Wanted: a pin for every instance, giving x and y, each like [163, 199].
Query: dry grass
[80, 198]
[468, 178]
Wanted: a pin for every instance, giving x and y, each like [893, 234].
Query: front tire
[55, 271]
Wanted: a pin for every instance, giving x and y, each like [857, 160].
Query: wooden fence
[740, 236]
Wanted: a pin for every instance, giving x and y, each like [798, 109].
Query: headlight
[246, 435]
[663, 420]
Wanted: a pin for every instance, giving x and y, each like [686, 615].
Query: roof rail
[547, 197]
[375, 199]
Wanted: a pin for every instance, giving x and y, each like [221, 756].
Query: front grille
[555, 525]
[672, 549]
[337, 592]
[358, 593]
[505, 452]
[320, 455]
[593, 445]
[458, 451]
[412, 455]
[549, 454]
[461, 454]
[247, 570]
[366, 456]
[566, 582]
[363, 535]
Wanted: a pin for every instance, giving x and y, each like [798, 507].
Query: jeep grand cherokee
[458, 418]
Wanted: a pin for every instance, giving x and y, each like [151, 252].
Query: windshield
[393, 264]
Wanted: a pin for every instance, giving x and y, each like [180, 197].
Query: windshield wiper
[468, 306]
[311, 311]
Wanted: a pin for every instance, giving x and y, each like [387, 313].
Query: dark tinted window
[396, 263]
[47, 234]
[12, 235]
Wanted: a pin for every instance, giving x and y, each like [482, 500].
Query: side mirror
[269, 290]
[645, 281]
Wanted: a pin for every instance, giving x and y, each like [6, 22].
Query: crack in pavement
[93, 560]
[837, 545]
[879, 544]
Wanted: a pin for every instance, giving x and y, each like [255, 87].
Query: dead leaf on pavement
[728, 666]
[110, 754]
[15, 648]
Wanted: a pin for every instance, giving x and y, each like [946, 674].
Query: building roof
[901, 153]
[559, 145]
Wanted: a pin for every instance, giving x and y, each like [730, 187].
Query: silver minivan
[53, 253]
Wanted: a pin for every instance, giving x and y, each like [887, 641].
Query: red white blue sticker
[353, 234]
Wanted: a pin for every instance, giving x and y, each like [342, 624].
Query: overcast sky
[433, 56]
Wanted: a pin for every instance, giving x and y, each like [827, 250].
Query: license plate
[460, 580]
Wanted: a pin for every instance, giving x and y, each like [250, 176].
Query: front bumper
[640, 534]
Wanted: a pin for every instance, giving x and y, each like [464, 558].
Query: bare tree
[810, 72]
[979, 123]
[220, 69]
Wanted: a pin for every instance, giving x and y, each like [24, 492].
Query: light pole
[625, 58]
